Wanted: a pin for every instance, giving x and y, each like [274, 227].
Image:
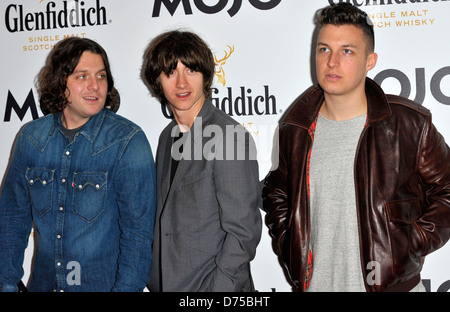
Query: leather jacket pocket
[40, 187]
[89, 195]
[401, 216]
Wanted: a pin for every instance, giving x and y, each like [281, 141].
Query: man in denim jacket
[85, 177]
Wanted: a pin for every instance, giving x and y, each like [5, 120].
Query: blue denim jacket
[92, 203]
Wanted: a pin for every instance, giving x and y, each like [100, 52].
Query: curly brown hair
[60, 64]
[164, 52]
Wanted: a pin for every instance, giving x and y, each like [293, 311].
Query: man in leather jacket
[361, 193]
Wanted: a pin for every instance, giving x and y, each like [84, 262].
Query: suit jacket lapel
[195, 140]
[165, 178]
[164, 162]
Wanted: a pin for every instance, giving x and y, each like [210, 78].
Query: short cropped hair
[347, 14]
[60, 64]
[167, 49]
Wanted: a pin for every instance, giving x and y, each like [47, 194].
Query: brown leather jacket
[402, 181]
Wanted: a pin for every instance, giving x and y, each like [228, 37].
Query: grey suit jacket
[208, 222]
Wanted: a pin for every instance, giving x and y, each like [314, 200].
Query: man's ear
[371, 61]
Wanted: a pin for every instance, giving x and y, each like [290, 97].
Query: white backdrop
[269, 66]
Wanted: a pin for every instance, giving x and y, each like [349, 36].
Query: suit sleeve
[237, 191]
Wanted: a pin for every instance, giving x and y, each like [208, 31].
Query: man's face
[86, 91]
[342, 60]
[183, 89]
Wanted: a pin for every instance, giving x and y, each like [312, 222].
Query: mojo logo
[69, 14]
[436, 87]
[445, 287]
[172, 6]
[11, 104]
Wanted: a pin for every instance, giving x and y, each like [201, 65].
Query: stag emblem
[220, 73]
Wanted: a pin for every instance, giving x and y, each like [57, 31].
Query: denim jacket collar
[42, 131]
[90, 129]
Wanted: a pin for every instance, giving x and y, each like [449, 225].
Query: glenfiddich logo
[220, 73]
[56, 15]
[241, 101]
[398, 13]
[237, 101]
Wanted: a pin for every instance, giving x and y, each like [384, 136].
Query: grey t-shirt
[334, 224]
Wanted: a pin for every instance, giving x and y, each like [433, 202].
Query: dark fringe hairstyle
[165, 50]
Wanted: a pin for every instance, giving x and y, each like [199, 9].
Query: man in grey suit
[208, 223]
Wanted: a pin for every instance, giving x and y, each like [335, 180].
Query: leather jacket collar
[306, 108]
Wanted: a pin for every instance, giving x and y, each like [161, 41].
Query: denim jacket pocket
[40, 187]
[89, 194]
